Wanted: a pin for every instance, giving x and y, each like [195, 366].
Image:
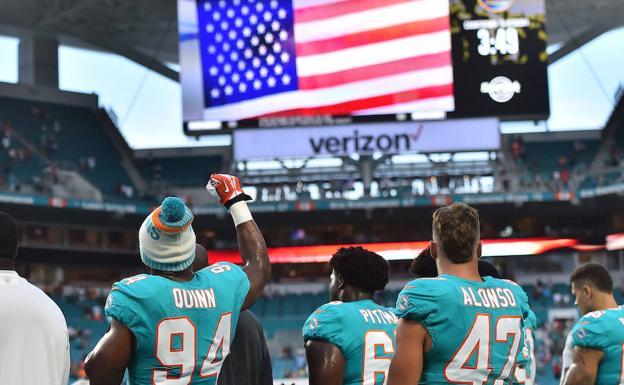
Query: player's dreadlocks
[361, 268]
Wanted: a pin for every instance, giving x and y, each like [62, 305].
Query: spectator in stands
[91, 162]
[32, 327]
[126, 191]
[6, 142]
[517, 149]
[96, 313]
[564, 176]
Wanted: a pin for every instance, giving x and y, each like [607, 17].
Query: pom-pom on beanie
[166, 238]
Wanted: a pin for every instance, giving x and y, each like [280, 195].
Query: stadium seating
[68, 136]
[543, 158]
[180, 171]
[85, 331]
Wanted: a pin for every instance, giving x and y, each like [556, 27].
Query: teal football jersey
[603, 330]
[476, 328]
[530, 327]
[183, 330]
[365, 334]
[526, 373]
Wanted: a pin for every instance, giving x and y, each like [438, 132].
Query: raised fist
[227, 189]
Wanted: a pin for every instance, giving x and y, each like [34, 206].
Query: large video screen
[254, 63]
[499, 58]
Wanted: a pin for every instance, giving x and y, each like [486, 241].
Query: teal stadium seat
[542, 158]
[190, 171]
[80, 136]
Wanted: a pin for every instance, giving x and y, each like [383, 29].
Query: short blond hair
[456, 228]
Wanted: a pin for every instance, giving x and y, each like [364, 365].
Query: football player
[597, 337]
[174, 326]
[424, 266]
[458, 327]
[351, 339]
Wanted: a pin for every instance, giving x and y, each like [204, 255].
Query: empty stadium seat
[76, 135]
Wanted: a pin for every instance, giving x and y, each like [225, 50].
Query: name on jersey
[194, 299]
[488, 297]
[378, 316]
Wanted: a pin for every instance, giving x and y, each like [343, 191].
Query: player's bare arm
[407, 364]
[325, 363]
[584, 369]
[257, 266]
[106, 364]
[251, 243]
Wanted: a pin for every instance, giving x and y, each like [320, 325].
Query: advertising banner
[367, 139]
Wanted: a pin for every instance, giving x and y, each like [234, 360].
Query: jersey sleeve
[325, 324]
[417, 302]
[531, 322]
[524, 303]
[120, 306]
[590, 332]
[235, 277]
[523, 357]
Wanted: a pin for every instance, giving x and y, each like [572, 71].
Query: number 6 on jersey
[373, 365]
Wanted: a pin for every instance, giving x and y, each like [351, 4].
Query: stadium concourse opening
[264, 192]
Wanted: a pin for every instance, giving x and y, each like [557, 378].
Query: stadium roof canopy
[145, 31]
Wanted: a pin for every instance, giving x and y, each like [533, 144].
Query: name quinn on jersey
[194, 299]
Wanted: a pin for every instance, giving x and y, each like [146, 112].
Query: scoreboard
[290, 63]
[499, 58]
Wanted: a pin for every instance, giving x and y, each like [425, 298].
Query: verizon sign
[388, 138]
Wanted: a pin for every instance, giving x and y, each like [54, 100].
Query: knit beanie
[166, 238]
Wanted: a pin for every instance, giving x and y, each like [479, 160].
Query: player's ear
[479, 249]
[433, 249]
[340, 280]
[587, 290]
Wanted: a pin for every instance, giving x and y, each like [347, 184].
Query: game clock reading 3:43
[499, 58]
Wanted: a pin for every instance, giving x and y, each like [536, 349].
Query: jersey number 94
[183, 356]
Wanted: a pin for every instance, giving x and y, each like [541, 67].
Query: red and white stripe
[363, 57]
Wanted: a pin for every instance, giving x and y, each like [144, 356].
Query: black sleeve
[249, 361]
[266, 378]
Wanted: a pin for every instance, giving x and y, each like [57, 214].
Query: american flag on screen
[336, 57]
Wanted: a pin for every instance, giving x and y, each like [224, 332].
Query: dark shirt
[249, 362]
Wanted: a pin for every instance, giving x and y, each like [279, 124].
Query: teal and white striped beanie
[166, 238]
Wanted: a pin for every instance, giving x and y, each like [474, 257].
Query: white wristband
[240, 213]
